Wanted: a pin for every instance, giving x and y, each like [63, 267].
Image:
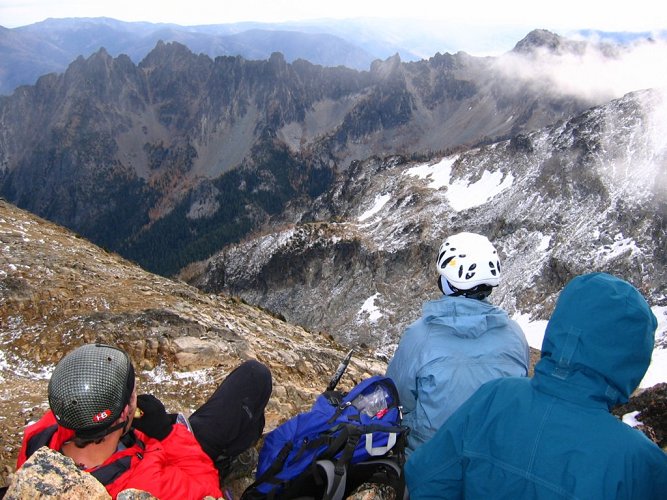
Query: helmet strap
[479, 292]
[100, 434]
[447, 288]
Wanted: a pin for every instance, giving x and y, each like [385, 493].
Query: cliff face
[118, 151]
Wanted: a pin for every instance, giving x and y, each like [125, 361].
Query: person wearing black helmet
[129, 441]
[460, 342]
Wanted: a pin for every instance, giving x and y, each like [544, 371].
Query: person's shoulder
[47, 420]
[632, 441]
[504, 386]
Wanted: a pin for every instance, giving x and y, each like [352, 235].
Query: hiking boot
[242, 465]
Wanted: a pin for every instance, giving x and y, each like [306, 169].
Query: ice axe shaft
[339, 371]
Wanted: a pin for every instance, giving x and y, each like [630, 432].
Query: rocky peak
[387, 68]
[539, 38]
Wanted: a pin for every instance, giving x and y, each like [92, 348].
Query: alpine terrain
[199, 212]
[585, 194]
[58, 291]
[169, 160]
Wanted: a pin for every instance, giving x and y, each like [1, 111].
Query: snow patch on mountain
[380, 202]
[657, 371]
[438, 173]
[461, 193]
[369, 310]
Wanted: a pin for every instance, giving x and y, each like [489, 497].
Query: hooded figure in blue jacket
[460, 342]
[553, 436]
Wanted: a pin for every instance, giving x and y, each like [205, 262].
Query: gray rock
[49, 474]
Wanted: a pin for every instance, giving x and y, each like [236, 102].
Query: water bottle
[374, 403]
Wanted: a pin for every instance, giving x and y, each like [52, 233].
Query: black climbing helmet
[89, 388]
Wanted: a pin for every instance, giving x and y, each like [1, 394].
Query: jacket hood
[465, 317]
[598, 342]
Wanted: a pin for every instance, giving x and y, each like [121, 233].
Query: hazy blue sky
[560, 15]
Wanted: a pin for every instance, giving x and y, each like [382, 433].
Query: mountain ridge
[50, 45]
[362, 252]
[248, 136]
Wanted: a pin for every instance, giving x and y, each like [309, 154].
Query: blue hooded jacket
[552, 436]
[458, 344]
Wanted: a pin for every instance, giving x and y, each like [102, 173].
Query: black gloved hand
[155, 422]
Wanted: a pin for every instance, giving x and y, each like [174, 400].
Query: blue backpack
[343, 441]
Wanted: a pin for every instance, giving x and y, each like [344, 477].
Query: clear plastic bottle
[373, 403]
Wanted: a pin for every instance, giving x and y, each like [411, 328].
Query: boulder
[49, 474]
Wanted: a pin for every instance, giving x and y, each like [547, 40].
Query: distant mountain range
[322, 192]
[168, 160]
[28, 52]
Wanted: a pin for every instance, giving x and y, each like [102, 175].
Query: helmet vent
[460, 271]
[447, 261]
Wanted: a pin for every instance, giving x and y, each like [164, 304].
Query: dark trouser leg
[232, 419]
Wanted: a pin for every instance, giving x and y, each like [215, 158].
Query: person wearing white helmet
[460, 342]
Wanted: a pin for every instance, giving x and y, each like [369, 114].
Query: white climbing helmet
[466, 261]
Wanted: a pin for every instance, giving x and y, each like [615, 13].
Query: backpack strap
[40, 439]
[336, 484]
[107, 474]
[269, 476]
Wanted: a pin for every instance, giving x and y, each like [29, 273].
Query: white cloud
[590, 75]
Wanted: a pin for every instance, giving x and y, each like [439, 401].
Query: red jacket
[174, 468]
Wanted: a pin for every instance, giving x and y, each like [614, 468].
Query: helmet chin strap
[447, 289]
[479, 292]
[98, 435]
